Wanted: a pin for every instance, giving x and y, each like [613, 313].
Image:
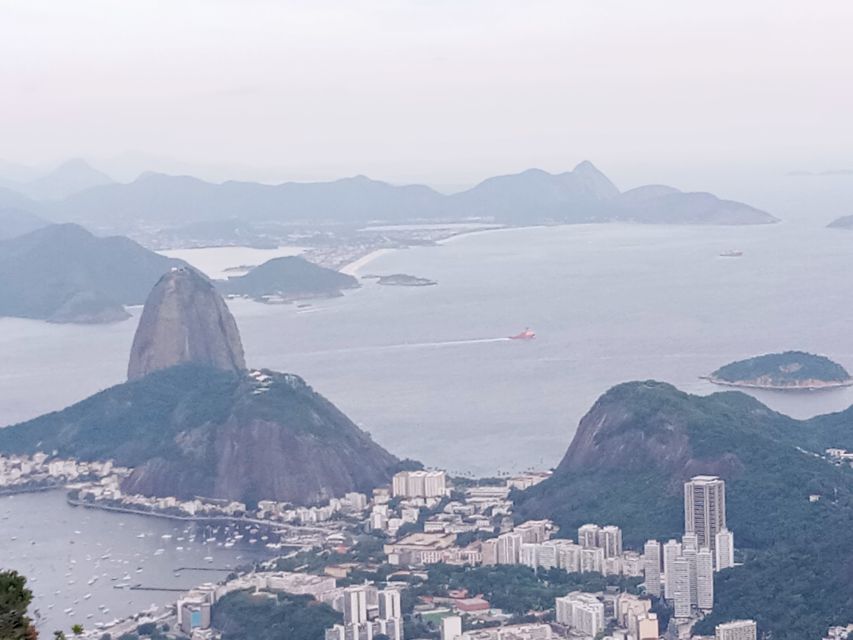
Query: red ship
[527, 334]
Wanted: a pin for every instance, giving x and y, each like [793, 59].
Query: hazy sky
[441, 91]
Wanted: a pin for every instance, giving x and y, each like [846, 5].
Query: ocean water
[70, 552]
[429, 372]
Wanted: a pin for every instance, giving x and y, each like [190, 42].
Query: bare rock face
[185, 320]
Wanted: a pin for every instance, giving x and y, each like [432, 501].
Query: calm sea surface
[429, 373]
[69, 553]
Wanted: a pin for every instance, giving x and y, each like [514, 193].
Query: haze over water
[428, 373]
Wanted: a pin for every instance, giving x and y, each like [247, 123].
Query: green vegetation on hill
[640, 442]
[791, 368]
[515, 589]
[245, 616]
[179, 429]
[289, 277]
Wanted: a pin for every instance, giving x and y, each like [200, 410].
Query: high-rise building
[582, 612]
[705, 579]
[419, 484]
[690, 541]
[534, 530]
[592, 560]
[725, 550]
[528, 554]
[680, 578]
[451, 628]
[610, 539]
[389, 604]
[490, 551]
[671, 552]
[546, 555]
[690, 554]
[509, 548]
[737, 630]
[355, 605]
[588, 536]
[569, 557]
[705, 509]
[651, 567]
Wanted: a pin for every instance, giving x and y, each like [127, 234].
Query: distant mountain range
[68, 178]
[534, 196]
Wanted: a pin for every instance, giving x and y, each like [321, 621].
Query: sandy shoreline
[352, 268]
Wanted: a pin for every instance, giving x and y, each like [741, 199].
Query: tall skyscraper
[725, 550]
[705, 579]
[651, 567]
[671, 552]
[705, 509]
[679, 575]
[690, 555]
[737, 630]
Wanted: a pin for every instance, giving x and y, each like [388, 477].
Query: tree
[77, 629]
[15, 598]
[59, 635]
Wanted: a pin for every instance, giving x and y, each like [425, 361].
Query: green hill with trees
[789, 508]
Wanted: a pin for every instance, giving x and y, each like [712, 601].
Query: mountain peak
[185, 320]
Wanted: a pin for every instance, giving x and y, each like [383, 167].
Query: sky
[444, 92]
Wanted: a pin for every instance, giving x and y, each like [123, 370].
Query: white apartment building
[509, 548]
[671, 552]
[610, 539]
[705, 579]
[419, 484]
[582, 612]
[588, 535]
[651, 567]
[737, 630]
[679, 576]
[724, 550]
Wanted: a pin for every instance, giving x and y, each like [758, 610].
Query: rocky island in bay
[789, 370]
[401, 280]
[286, 279]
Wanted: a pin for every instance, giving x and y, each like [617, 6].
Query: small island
[791, 370]
[845, 222]
[401, 280]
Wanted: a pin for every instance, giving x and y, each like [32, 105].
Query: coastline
[352, 268]
[777, 387]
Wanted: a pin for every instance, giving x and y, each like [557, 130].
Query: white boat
[68, 610]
